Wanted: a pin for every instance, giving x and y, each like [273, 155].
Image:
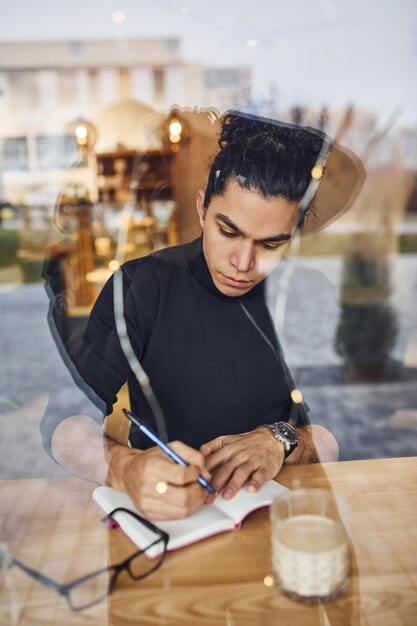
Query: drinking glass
[310, 555]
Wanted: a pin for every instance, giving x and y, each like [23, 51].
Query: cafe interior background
[108, 116]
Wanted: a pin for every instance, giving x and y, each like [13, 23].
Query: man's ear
[201, 209]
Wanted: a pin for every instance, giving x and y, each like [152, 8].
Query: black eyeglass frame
[65, 589]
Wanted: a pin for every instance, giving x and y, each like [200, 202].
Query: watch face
[287, 431]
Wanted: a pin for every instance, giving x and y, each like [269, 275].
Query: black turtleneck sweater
[210, 368]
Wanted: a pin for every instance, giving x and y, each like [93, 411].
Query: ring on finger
[161, 487]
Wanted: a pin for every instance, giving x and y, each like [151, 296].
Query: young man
[197, 321]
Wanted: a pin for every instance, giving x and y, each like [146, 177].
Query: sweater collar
[200, 270]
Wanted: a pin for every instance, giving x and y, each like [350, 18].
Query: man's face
[244, 236]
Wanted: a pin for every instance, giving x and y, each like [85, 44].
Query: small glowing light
[102, 245]
[185, 9]
[268, 581]
[100, 275]
[175, 127]
[118, 17]
[82, 141]
[175, 147]
[81, 132]
[317, 172]
[252, 43]
[296, 396]
[114, 265]
[161, 487]
[174, 138]
[7, 214]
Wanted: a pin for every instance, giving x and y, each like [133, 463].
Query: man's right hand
[80, 446]
[138, 472]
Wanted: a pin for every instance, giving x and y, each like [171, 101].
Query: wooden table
[53, 525]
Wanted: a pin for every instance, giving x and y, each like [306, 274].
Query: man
[197, 321]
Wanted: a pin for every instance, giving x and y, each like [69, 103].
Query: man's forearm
[315, 444]
[81, 447]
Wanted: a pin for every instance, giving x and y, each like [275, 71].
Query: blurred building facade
[45, 87]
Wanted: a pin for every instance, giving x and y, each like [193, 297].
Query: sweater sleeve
[101, 361]
[100, 367]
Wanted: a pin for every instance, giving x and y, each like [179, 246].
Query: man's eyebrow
[226, 220]
[280, 237]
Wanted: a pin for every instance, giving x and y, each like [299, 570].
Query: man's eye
[270, 246]
[226, 233]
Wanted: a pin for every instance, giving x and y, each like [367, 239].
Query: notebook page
[110, 499]
[244, 502]
[208, 520]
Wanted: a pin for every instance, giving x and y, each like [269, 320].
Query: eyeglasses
[90, 589]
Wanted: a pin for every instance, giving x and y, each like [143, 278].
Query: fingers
[248, 458]
[170, 472]
[219, 457]
[183, 494]
[194, 457]
[231, 466]
[175, 503]
[156, 465]
[231, 477]
[235, 460]
[190, 455]
[215, 444]
[257, 480]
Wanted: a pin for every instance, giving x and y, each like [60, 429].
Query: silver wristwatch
[286, 434]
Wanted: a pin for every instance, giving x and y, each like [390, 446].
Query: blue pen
[163, 446]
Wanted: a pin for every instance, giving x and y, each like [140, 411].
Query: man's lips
[235, 282]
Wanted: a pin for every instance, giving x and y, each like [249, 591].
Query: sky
[311, 52]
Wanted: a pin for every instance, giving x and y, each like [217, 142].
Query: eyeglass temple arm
[141, 519]
[48, 582]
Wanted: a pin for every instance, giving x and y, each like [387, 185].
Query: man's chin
[231, 292]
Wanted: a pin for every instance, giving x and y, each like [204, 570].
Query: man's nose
[244, 257]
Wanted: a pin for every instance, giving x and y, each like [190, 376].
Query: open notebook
[209, 520]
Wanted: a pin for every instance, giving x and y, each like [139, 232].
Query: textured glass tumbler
[310, 555]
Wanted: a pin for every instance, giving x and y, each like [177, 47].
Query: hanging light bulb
[175, 127]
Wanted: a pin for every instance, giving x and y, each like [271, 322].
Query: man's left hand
[234, 460]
